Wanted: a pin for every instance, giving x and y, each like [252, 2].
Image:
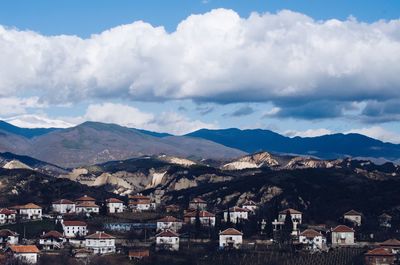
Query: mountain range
[94, 142]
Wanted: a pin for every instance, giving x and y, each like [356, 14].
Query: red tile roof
[391, 242]
[7, 211]
[7, 233]
[342, 229]
[379, 252]
[238, 209]
[52, 234]
[139, 253]
[87, 204]
[353, 213]
[201, 214]
[27, 206]
[113, 200]
[100, 235]
[63, 201]
[310, 233]
[74, 223]
[85, 198]
[24, 249]
[167, 233]
[169, 219]
[291, 211]
[231, 232]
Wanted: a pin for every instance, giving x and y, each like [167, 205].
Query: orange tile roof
[100, 235]
[391, 242]
[24, 249]
[85, 198]
[167, 233]
[52, 234]
[139, 253]
[342, 229]
[379, 252]
[310, 233]
[74, 223]
[27, 206]
[169, 219]
[231, 232]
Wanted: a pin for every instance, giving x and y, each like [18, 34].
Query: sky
[297, 67]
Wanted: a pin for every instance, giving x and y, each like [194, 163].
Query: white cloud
[379, 133]
[308, 133]
[11, 106]
[37, 121]
[216, 56]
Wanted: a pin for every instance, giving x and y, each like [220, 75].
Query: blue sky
[307, 98]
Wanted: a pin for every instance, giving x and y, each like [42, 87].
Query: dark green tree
[287, 229]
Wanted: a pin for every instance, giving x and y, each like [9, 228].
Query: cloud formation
[287, 58]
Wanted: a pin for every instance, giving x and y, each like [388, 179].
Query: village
[143, 226]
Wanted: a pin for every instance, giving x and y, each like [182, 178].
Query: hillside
[327, 146]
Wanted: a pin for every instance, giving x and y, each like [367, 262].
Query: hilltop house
[296, 217]
[379, 256]
[140, 203]
[52, 240]
[167, 240]
[169, 222]
[63, 206]
[236, 214]
[29, 211]
[25, 253]
[230, 238]
[74, 229]
[342, 236]
[114, 205]
[198, 203]
[87, 207]
[206, 218]
[312, 239]
[100, 243]
[7, 216]
[353, 216]
[385, 220]
[8, 237]
[250, 205]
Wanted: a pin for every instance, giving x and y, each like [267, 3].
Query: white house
[87, 207]
[29, 211]
[167, 240]
[296, 217]
[230, 238]
[52, 240]
[140, 203]
[100, 243]
[63, 206]
[74, 229]
[85, 198]
[7, 216]
[114, 205]
[342, 236]
[312, 239]
[169, 222]
[236, 214]
[206, 218]
[198, 203]
[353, 216]
[25, 253]
[250, 205]
[8, 237]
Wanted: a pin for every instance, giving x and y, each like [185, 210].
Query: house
[87, 207]
[312, 239]
[392, 244]
[385, 220]
[342, 236]
[52, 240]
[236, 214]
[63, 206]
[206, 218]
[379, 256]
[138, 254]
[198, 203]
[250, 205]
[28, 211]
[7, 216]
[85, 198]
[114, 205]
[100, 243]
[172, 208]
[353, 216]
[169, 222]
[74, 229]
[230, 238]
[8, 237]
[296, 217]
[26, 253]
[140, 203]
[167, 240]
